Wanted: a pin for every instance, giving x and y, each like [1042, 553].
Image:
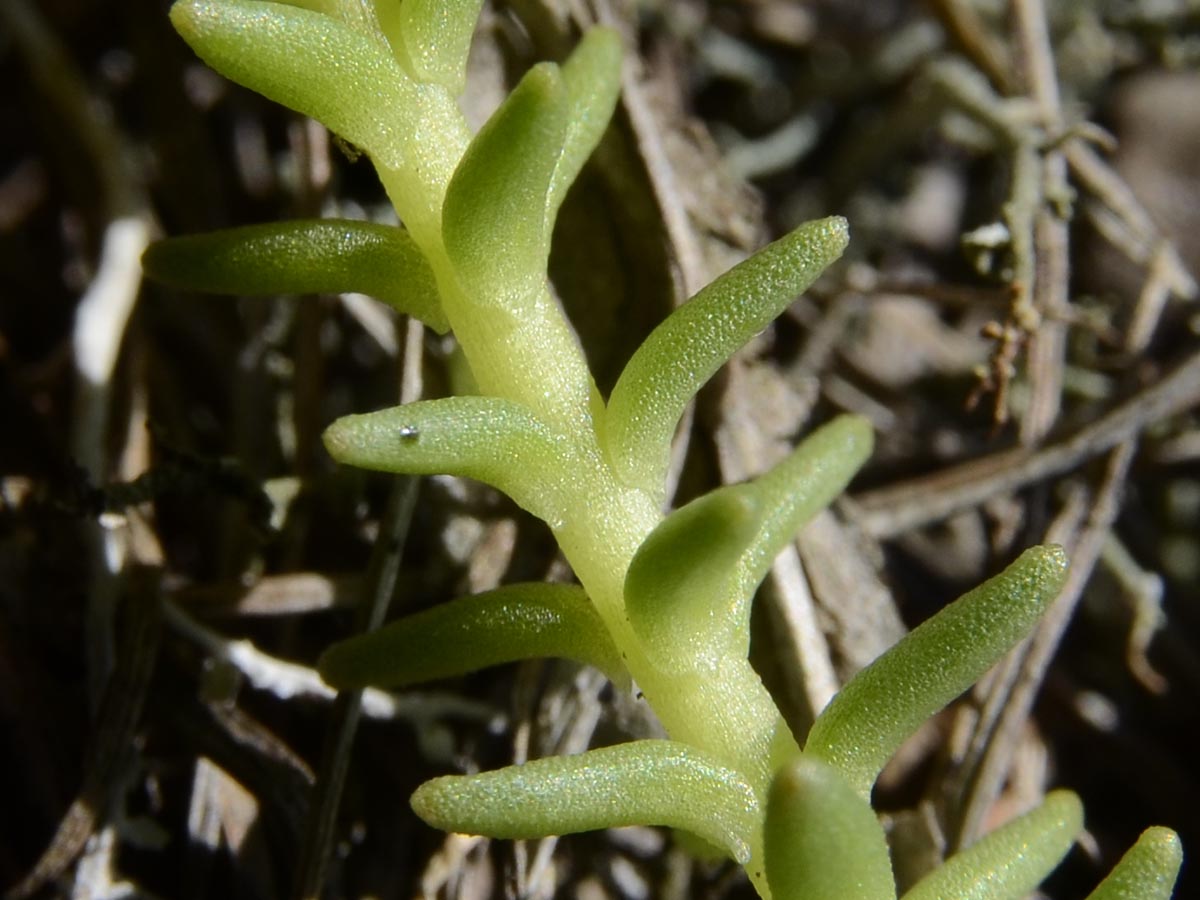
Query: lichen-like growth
[663, 601]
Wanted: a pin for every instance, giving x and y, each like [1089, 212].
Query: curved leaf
[437, 37]
[493, 219]
[492, 440]
[592, 75]
[823, 841]
[1011, 861]
[688, 347]
[689, 587]
[306, 256]
[639, 783]
[799, 487]
[1147, 871]
[344, 78]
[511, 623]
[497, 238]
[680, 582]
[883, 704]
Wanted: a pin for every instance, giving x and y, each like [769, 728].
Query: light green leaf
[494, 221]
[883, 704]
[350, 12]
[437, 37]
[593, 78]
[639, 783]
[496, 441]
[333, 8]
[498, 241]
[1147, 871]
[340, 76]
[511, 623]
[1011, 861]
[679, 585]
[689, 587]
[688, 347]
[795, 490]
[823, 841]
[303, 257]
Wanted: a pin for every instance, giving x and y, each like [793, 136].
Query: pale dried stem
[1050, 239]
[1129, 227]
[891, 511]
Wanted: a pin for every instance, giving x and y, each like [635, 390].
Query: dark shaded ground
[171, 534]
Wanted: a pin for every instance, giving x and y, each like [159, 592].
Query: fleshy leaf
[678, 587]
[640, 783]
[492, 440]
[688, 347]
[1147, 871]
[326, 69]
[883, 704]
[1011, 861]
[350, 12]
[493, 217]
[592, 75]
[301, 257]
[823, 841]
[497, 238]
[689, 587]
[799, 487]
[511, 623]
[437, 37]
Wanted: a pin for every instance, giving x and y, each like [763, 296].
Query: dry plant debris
[175, 550]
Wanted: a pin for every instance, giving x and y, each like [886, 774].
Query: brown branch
[891, 511]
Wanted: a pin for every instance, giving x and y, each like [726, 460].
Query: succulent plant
[663, 599]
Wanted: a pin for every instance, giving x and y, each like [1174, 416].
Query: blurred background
[1016, 316]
